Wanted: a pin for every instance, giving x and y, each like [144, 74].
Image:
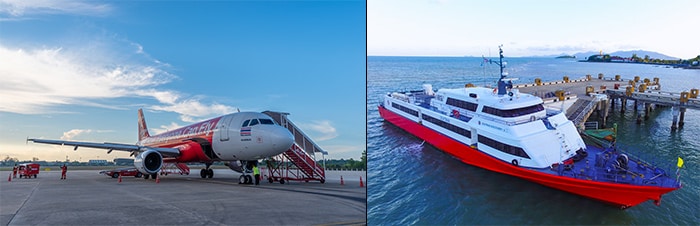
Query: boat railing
[582, 115]
[509, 122]
[497, 120]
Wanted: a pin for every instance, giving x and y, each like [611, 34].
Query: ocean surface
[410, 182]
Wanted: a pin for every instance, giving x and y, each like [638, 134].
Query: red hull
[616, 194]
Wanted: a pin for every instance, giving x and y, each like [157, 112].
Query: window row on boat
[451, 127]
[404, 109]
[506, 148]
[466, 134]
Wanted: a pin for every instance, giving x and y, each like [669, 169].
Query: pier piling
[680, 122]
[647, 107]
[674, 121]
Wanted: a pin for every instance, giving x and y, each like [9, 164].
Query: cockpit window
[245, 123]
[253, 122]
[265, 121]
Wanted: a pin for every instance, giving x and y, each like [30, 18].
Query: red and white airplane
[240, 139]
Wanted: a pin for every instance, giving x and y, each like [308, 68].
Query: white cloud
[36, 81]
[96, 67]
[21, 8]
[320, 130]
[190, 110]
[69, 135]
[164, 128]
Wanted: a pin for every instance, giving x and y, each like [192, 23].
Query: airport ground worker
[63, 171]
[256, 173]
[14, 171]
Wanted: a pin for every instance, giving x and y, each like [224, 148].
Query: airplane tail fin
[143, 130]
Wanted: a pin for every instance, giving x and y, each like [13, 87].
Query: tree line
[347, 164]
[645, 60]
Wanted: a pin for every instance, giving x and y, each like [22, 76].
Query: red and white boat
[512, 133]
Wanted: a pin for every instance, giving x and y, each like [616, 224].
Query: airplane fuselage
[237, 136]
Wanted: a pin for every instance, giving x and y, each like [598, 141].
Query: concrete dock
[89, 198]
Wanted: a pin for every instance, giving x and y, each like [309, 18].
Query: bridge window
[513, 112]
[513, 150]
[405, 109]
[461, 104]
[448, 126]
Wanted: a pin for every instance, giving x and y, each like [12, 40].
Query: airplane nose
[281, 138]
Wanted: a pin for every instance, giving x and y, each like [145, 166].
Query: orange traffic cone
[361, 184]
[9, 178]
[341, 181]
[157, 179]
[120, 178]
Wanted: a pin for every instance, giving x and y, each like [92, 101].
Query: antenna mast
[502, 85]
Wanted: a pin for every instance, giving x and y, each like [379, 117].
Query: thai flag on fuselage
[245, 131]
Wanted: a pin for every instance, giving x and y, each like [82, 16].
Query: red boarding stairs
[174, 168]
[299, 162]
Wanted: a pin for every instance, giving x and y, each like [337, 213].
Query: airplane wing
[169, 152]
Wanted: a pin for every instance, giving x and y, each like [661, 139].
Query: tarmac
[90, 198]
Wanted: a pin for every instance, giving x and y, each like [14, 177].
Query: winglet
[143, 130]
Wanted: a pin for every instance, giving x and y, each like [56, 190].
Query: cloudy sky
[79, 70]
[531, 28]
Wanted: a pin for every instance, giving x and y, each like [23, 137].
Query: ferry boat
[512, 133]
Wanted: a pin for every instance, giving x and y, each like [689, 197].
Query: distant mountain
[626, 54]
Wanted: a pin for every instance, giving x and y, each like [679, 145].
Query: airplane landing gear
[207, 172]
[246, 178]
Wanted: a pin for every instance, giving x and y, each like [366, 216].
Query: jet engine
[148, 162]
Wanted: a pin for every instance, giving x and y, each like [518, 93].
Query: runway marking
[25, 202]
[355, 199]
[344, 223]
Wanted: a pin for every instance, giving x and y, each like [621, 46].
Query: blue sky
[79, 70]
[531, 27]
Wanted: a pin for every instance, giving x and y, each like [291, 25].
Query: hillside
[628, 53]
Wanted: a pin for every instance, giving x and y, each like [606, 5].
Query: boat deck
[613, 165]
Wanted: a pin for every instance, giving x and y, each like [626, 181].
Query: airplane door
[224, 128]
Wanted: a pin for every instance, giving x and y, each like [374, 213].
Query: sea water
[412, 182]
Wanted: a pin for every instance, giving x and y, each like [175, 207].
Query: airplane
[238, 139]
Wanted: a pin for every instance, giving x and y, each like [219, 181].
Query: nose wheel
[245, 179]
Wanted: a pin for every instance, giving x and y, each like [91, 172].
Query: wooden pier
[598, 95]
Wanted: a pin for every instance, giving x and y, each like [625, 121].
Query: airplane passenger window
[253, 122]
[265, 121]
[245, 123]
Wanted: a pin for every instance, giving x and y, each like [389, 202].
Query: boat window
[513, 150]
[443, 124]
[245, 123]
[461, 104]
[405, 109]
[253, 122]
[265, 121]
[513, 112]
